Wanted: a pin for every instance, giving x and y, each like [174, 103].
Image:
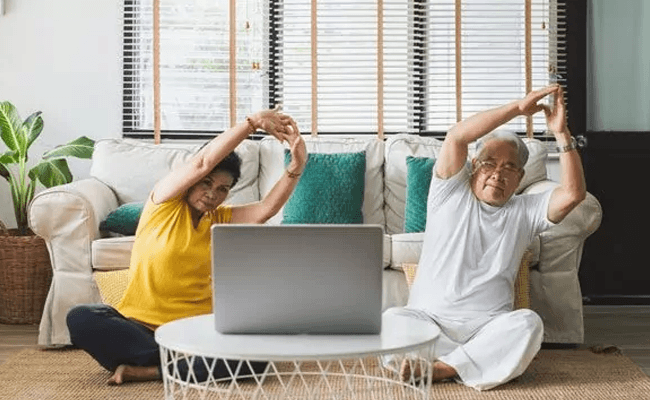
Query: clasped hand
[285, 129]
[555, 115]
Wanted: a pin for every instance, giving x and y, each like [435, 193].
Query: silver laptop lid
[284, 279]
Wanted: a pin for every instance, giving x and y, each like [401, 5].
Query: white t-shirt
[472, 251]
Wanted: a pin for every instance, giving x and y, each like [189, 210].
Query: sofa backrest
[131, 168]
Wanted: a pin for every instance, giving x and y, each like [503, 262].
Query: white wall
[63, 58]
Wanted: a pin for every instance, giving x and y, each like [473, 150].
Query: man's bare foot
[130, 373]
[442, 371]
[411, 370]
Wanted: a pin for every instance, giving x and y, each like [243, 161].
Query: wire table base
[200, 363]
[360, 378]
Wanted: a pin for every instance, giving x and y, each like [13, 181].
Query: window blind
[194, 64]
[347, 59]
[491, 62]
[439, 61]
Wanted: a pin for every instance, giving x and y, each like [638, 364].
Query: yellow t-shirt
[169, 275]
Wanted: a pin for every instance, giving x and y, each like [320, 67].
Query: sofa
[124, 171]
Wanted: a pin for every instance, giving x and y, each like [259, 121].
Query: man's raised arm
[572, 189]
[453, 154]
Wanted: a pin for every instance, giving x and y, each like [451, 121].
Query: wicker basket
[25, 277]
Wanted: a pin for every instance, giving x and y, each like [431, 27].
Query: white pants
[486, 352]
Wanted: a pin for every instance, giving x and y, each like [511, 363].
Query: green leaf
[81, 147]
[9, 157]
[32, 127]
[52, 172]
[11, 128]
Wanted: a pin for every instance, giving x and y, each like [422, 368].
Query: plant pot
[25, 277]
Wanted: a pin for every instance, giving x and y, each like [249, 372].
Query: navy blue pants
[112, 340]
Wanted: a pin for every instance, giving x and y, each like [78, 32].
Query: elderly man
[476, 235]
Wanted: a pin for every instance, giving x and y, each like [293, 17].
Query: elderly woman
[169, 274]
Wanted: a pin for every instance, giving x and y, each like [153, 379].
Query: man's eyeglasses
[507, 171]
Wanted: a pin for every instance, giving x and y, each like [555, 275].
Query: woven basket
[25, 277]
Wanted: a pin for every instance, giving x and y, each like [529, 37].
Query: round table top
[198, 336]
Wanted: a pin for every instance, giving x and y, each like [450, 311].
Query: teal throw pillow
[330, 190]
[419, 171]
[124, 219]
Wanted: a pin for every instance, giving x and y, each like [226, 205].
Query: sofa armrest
[67, 217]
[555, 286]
[581, 222]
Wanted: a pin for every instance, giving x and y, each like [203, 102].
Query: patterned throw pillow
[419, 171]
[111, 285]
[124, 219]
[330, 190]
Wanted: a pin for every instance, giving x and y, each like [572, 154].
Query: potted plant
[24, 262]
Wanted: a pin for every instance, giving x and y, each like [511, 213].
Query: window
[440, 61]
[194, 64]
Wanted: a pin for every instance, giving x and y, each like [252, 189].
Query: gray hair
[505, 136]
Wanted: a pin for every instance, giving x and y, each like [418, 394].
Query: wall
[62, 58]
[618, 65]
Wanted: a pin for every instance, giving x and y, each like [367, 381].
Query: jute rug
[554, 374]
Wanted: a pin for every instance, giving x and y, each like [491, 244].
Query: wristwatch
[571, 146]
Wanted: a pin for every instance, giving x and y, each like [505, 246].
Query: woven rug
[554, 374]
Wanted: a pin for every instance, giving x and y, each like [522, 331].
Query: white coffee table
[299, 366]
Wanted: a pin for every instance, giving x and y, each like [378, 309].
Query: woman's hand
[274, 123]
[298, 150]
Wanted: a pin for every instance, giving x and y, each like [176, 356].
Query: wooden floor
[627, 327]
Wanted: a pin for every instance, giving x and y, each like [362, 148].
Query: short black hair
[230, 164]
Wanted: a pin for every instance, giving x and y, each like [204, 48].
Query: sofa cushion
[405, 249]
[330, 190]
[397, 148]
[131, 168]
[535, 168]
[272, 167]
[418, 179]
[124, 219]
[112, 253]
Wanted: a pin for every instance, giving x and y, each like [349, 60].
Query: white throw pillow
[131, 167]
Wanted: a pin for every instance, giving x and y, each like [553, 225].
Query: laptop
[297, 279]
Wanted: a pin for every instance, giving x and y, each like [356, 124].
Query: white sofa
[123, 171]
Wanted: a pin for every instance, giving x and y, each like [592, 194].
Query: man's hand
[556, 117]
[528, 105]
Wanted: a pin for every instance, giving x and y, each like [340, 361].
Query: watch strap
[568, 147]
